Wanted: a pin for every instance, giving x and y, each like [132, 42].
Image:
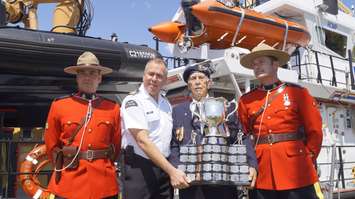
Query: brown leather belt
[95, 154]
[280, 137]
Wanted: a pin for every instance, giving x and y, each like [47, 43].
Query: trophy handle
[228, 104]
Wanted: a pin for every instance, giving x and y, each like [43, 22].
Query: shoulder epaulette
[251, 91]
[134, 92]
[62, 97]
[108, 99]
[294, 85]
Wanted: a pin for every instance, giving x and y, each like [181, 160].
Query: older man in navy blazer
[186, 130]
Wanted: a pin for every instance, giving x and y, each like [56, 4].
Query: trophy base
[215, 162]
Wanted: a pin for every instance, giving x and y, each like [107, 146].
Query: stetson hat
[264, 50]
[87, 60]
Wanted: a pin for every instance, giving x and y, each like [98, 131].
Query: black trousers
[142, 179]
[308, 192]
[209, 192]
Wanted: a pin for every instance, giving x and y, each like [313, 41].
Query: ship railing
[348, 72]
[176, 62]
[337, 164]
[9, 167]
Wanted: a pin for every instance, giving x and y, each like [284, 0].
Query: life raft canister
[31, 167]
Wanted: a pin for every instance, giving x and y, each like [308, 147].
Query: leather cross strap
[76, 131]
[280, 137]
[262, 108]
[82, 122]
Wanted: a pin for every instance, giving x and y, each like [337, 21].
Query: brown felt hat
[264, 50]
[87, 60]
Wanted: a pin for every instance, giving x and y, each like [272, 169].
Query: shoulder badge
[131, 103]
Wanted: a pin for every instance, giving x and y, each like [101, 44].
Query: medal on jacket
[193, 136]
[286, 100]
[180, 134]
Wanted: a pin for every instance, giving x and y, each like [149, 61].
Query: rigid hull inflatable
[29, 52]
[32, 63]
[220, 24]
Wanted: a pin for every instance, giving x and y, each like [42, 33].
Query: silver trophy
[212, 112]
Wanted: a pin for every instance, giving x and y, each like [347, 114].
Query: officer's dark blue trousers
[209, 192]
[142, 179]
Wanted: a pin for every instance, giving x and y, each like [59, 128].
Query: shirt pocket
[153, 120]
[287, 113]
[69, 127]
[296, 150]
[103, 129]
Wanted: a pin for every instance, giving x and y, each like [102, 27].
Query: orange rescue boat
[223, 27]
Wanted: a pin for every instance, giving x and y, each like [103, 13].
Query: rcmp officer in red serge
[186, 130]
[147, 125]
[83, 136]
[286, 125]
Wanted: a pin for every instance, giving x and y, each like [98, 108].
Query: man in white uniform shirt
[147, 126]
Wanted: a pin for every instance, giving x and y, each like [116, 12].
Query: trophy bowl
[214, 111]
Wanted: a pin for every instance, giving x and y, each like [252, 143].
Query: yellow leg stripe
[318, 190]
[51, 196]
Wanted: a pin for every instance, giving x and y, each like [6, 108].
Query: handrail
[319, 78]
[351, 70]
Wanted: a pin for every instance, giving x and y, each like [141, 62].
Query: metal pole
[341, 168]
[319, 76]
[298, 63]
[332, 168]
[156, 43]
[238, 93]
[334, 80]
[351, 70]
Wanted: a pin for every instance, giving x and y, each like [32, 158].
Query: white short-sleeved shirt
[141, 111]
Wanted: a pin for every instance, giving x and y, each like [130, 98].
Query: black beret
[196, 68]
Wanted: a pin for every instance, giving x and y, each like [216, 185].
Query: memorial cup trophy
[215, 161]
[212, 113]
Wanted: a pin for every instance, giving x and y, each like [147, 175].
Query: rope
[238, 27]
[285, 36]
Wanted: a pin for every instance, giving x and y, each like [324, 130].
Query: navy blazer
[182, 117]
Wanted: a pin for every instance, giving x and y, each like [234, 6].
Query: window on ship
[334, 41]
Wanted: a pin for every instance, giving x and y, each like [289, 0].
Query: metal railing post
[351, 70]
[332, 168]
[334, 80]
[319, 76]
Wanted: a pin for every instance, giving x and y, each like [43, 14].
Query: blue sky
[129, 19]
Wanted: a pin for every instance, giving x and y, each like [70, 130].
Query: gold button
[270, 130]
[107, 122]
[301, 150]
[268, 105]
[268, 117]
[286, 107]
[90, 130]
[89, 146]
[69, 122]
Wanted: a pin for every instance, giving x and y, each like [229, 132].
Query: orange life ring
[29, 181]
